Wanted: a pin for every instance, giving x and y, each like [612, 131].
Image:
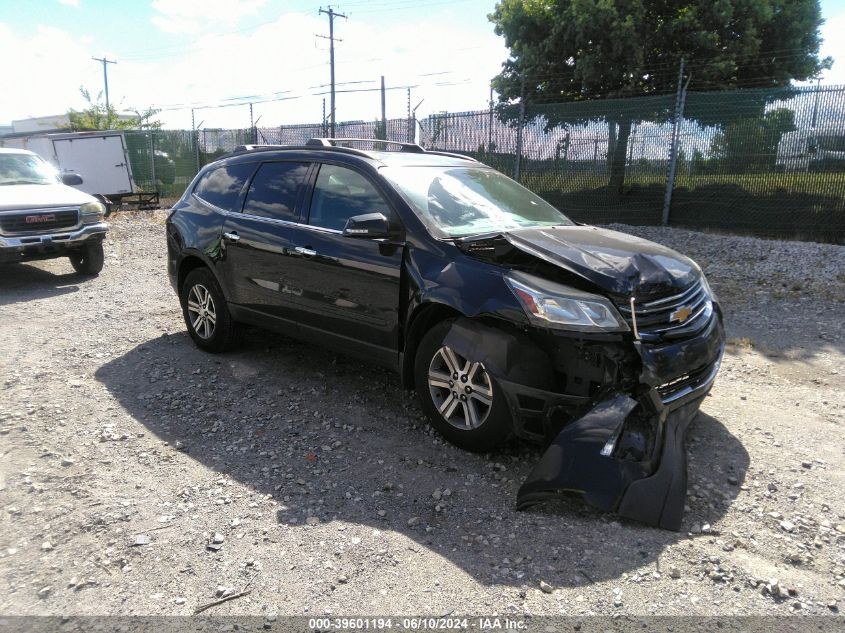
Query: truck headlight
[554, 305]
[92, 212]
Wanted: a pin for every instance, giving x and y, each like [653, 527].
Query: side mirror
[367, 225]
[71, 179]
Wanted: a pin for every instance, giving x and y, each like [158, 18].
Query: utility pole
[490, 125]
[518, 163]
[383, 112]
[105, 63]
[816, 103]
[332, 15]
[252, 126]
[195, 141]
[410, 126]
[673, 150]
[323, 127]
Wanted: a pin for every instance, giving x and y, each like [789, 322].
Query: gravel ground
[139, 475]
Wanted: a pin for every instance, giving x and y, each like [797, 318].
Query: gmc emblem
[35, 219]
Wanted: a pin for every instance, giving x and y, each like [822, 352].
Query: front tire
[462, 401]
[89, 260]
[206, 312]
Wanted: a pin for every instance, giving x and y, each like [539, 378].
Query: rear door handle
[232, 237]
[308, 252]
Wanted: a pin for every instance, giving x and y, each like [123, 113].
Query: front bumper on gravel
[621, 449]
[24, 247]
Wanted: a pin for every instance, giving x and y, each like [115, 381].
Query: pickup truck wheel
[89, 260]
[462, 401]
[206, 312]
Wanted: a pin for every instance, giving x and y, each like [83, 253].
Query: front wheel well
[422, 320]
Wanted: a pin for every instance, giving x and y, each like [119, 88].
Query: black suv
[503, 314]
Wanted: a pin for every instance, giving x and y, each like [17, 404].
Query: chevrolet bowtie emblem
[681, 314]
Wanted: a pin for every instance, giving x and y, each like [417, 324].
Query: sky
[179, 54]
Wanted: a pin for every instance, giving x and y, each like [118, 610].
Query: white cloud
[280, 56]
[286, 56]
[50, 67]
[834, 46]
[192, 16]
[70, 3]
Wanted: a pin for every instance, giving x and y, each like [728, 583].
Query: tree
[751, 144]
[97, 117]
[579, 50]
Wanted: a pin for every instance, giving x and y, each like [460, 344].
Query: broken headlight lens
[554, 305]
[92, 212]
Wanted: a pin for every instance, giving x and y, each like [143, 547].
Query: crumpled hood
[617, 263]
[14, 197]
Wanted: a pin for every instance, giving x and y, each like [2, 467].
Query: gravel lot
[125, 452]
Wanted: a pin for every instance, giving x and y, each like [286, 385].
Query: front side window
[26, 169]
[341, 193]
[222, 186]
[274, 190]
[463, 201]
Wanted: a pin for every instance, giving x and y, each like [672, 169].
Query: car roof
[407, 154]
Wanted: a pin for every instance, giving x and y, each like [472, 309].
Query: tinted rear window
[274, 190]
[222, 186]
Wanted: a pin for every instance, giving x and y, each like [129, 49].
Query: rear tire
[466, 406]
[89, 260]
[206, 312]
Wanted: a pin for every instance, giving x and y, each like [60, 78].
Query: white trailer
[816, 149]
[100, 158]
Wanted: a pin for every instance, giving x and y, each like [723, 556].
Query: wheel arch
[191, 261]
[421, 320]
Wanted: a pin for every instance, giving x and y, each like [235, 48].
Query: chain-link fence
[167, 160]
[768, 162]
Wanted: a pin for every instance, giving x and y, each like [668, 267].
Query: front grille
[689, 383]
[38, 220]
[661, 318]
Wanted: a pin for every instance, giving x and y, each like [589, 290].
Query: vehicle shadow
[22, 282]
[332, 440]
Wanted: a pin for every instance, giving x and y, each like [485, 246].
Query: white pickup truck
[43, 217]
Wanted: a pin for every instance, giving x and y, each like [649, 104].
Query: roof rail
[240, 149]
[452, 155]
[338, 142]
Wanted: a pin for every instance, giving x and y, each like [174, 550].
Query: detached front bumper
[627, 454]
[623, 451]
[20, 248]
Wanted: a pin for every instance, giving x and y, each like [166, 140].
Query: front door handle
[231, 237]
[308, 252]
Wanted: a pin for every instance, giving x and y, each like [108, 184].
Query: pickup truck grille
[662, 318]
[38, 220]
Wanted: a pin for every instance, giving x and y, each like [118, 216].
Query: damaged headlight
[92, 212]
[554, 305]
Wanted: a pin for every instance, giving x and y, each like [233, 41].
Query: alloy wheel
[201, 311]
[461, 389]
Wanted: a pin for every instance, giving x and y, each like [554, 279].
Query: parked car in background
[43, 217]
[505, 316]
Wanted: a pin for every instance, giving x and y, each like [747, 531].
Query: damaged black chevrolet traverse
[504, 315]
